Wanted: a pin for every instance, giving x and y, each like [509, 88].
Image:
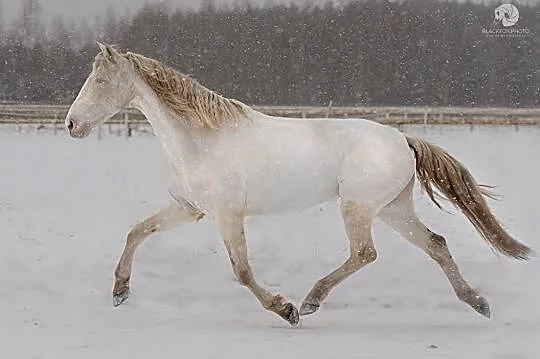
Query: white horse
[226, 160]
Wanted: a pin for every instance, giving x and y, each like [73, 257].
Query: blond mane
[189, 101]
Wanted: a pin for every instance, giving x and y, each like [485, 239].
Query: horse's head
[107, 90]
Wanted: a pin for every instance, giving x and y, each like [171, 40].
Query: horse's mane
[188, 100]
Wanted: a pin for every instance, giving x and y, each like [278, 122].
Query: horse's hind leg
[400, 216]
[358, 220]
[170, 217]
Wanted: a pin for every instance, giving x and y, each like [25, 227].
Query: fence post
[54, 122]
[329, 109]
[126, 125]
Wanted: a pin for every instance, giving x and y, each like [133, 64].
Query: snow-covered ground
[66, 206]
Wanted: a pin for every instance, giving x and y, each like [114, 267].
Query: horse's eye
[100, 81]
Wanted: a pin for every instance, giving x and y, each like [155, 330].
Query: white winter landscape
[66, 206]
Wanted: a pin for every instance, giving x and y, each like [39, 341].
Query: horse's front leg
[231, 227]
[170, 217]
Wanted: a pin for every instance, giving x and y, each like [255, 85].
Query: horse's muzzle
[77, 131]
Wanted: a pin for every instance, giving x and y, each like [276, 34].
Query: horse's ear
[104, 49]
[108, 51]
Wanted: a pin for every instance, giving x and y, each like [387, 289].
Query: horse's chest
[205, 186]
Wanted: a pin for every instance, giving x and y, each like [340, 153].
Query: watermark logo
[505, 18]
[507, 14]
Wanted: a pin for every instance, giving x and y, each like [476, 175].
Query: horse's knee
[364, 256]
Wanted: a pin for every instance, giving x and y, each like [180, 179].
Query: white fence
[45, 115]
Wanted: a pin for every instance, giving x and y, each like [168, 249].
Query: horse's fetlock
[120, 277]
[244, 277]
[277, 303]
[468, 296]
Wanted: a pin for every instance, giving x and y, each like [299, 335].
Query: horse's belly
[272, 197]
[290, 199]
[293, 188]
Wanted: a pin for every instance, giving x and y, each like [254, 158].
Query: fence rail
[55, 114]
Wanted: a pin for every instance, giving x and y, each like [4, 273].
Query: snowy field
[66, 206]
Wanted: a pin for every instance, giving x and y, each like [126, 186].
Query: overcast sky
[90, 8]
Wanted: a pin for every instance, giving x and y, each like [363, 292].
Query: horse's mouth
[80, 132]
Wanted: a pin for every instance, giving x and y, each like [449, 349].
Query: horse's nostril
[70, 125]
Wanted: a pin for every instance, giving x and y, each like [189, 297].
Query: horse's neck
[172, 134]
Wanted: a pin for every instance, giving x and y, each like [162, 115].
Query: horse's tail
[436, 168]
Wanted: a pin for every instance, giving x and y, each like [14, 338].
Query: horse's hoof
[120, 297]
[308, 308]
[483, 307]
[290, 314]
